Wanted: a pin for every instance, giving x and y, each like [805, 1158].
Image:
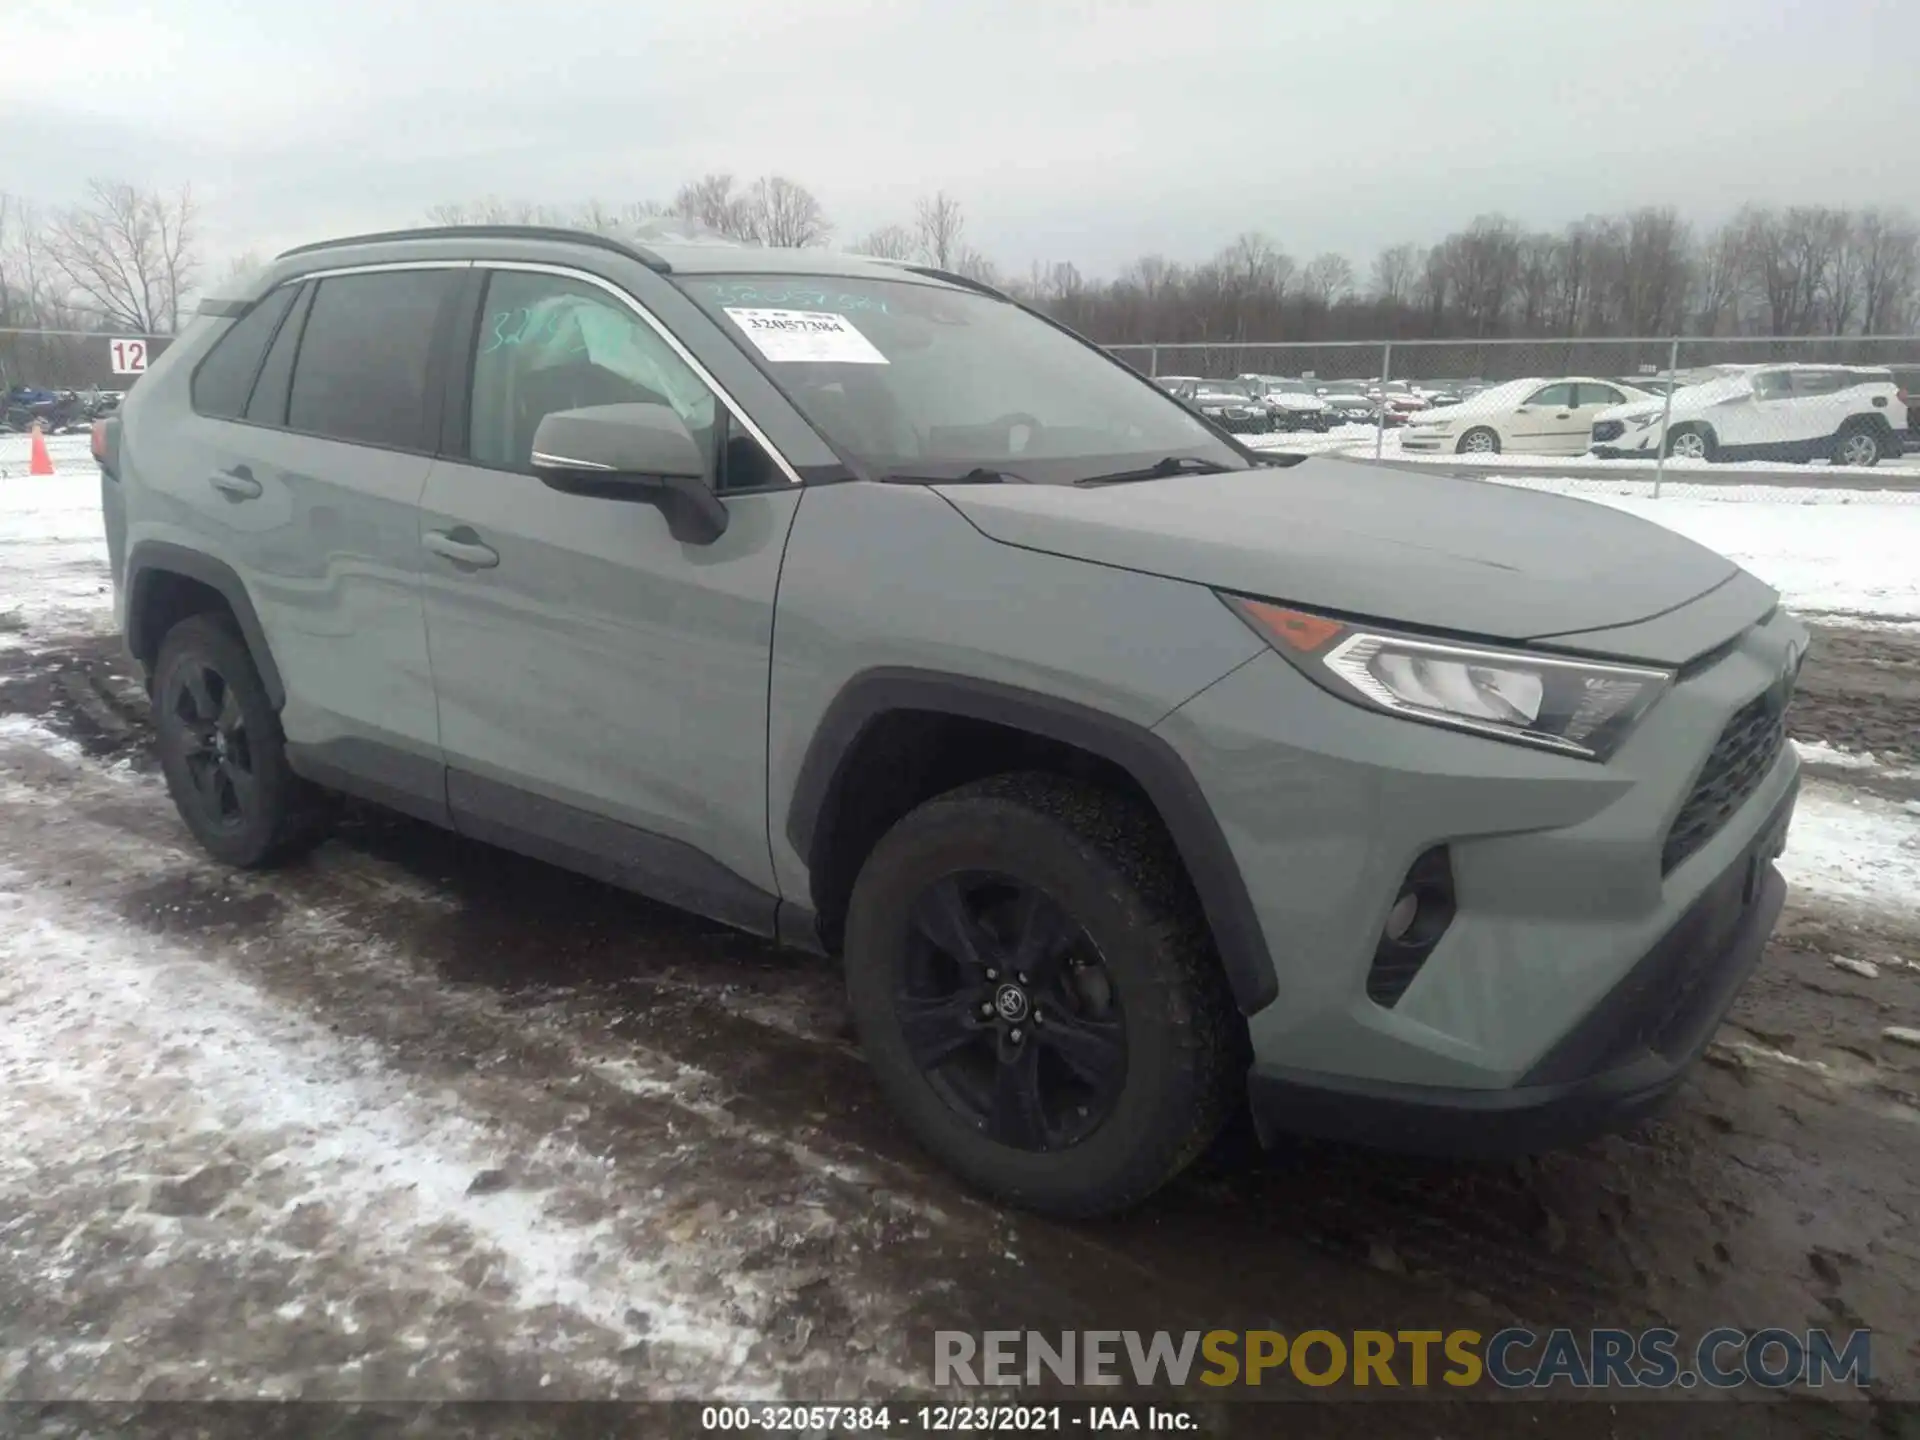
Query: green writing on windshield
[777, 295]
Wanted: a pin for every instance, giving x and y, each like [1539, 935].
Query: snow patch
[1856, 849]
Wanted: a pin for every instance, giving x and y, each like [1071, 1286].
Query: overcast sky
[1091, 132]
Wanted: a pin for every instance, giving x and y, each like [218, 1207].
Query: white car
[1535, 416]
[1849, 414]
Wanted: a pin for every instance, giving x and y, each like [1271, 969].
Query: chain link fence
[1701, 416]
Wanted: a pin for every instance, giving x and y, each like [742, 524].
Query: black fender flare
[1154, 765]
[152, 558]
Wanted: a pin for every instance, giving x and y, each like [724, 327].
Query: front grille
[1609, 430]
[1740, 760]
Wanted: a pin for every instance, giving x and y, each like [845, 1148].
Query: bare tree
[494, 211]
[1327, 278]
[782, 213]
[1720, 286]
[938, 224]
[889, 242]
[127, 255]
[710, 200]
[1395, 271]
[1888, 247]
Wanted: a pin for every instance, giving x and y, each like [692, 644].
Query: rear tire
[1087, 1049]
[222, 749]
[1479, 441]
[1858, 445]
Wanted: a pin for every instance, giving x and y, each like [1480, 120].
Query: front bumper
[1563, 876]
[1628, 1055]
[1427, 442]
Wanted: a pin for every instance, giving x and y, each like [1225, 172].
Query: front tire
[1691, 442]
[222, 750]
[1479, 441]
[1037, 993]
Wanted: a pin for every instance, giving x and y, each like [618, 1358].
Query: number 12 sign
[129, 357]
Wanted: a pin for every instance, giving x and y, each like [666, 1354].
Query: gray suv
[1133, 776]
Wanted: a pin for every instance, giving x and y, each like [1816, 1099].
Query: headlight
[1641, 422]
[1575, 707]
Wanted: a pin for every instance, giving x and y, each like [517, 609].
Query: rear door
[311, 483]
[602, 684]
[1543, 422]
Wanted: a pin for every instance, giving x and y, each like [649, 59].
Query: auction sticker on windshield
[816, 335]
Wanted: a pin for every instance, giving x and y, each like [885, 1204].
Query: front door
[602, 685]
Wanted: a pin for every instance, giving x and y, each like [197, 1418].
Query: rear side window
[361, 374]
[269, 403]
[1591, 394]
[224, 379]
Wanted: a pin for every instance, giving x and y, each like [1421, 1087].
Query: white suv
[1844, 413]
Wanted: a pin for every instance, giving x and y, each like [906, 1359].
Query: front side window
[925, 379]
[1561, 395]
[361, 372]
[547, 343]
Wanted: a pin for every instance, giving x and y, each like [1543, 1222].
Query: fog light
[1418, 918]
[1400, 919]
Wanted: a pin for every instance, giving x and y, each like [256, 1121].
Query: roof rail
[934, 272]
[495, 232]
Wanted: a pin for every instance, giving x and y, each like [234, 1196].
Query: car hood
[1440, 552]
[1290, 400]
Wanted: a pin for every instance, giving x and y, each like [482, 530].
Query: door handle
[1564, 415]
[236, 484]
[462, 547]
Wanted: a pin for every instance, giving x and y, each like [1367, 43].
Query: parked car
[1347, 402]
[1907, 377]
[1850, 415]
[1228, 404]
[1535, 416]
[857, 605]
[1292, 404]
[1174, 382]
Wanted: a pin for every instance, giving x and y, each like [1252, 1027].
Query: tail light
[105, 443]
[100, 442]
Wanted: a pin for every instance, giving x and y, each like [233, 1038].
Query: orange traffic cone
[41, 463]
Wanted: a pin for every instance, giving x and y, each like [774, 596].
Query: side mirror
[637, 452]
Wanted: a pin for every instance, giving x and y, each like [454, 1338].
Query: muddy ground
[682, 1117]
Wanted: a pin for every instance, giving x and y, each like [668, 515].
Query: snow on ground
[113, 1039]
[1360, 440]
[53, 555]
[1855, 849]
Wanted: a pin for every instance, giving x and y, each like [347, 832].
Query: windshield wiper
[1160, 470]
[979, 475]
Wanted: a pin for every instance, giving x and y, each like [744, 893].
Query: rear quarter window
[224, 379]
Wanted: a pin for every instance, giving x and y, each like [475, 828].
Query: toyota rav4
[1132, 776]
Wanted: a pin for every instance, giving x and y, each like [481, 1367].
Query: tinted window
[548, 343]
[225, 378]
[1551, 395]
[361, 374]
[269, 403]
[1600, 395]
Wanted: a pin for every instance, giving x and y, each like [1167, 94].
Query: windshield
[908, 378]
